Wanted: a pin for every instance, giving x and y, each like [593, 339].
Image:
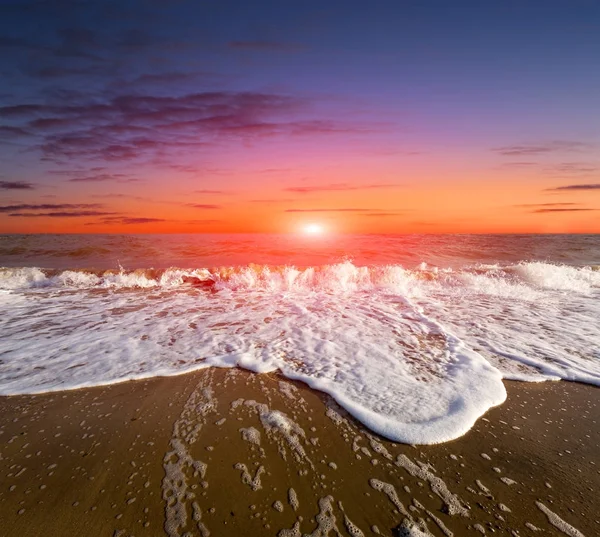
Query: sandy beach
[226, 452]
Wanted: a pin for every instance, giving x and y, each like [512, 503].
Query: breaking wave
[337, 277]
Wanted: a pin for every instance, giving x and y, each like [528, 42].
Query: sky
[399, 116]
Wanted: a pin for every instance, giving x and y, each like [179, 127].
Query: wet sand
[225, 452]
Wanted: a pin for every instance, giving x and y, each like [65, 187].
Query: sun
[313, 229]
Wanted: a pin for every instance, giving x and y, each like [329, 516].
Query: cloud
[307, 128]
[120, 196]
[134, 220]
[206, 191]
[15, 185]
[518, 165]
[164, 81]
[337, 187]
[204, 206]
[63, 214]
[131, 126]
[530, 205]
[12, 132]
[95, 169]
[96, 96]
[126, 220]
[589, 186]
[342, 210]
[572, 168]
[21, 110]
[555, 146]
[100, 178]
[130, 220]
[48, 207]
[561, 210]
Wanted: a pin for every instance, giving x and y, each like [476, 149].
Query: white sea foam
[417, 355]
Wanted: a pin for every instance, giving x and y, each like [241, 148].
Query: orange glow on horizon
[449, 201]
[313, 229]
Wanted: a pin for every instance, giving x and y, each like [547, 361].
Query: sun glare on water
[313, 229]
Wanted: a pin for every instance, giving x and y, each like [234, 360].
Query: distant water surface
[194, 251]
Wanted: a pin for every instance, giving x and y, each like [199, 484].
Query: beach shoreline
[227, 451]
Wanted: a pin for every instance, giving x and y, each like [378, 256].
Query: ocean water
[411, 334]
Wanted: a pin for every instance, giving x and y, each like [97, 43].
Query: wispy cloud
[78, 172]
[15, 185]
[131, 126]
[63, 214]
[103, 177]
[12, 132]
[589, 186]
[533, 205]
[203, 206]
[572, 168]
[338, 187]
[128, 220]
[521, 165]
[48, 207]
[555, 146]
[562, 210]
[120, 196]
[208, 191]
[133, 220]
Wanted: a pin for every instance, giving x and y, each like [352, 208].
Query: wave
[341, 277]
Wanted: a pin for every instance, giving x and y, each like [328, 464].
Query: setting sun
[313, 229]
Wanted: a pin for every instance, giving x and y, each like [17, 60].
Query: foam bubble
[560, 277]
[558, 522]
[251, 435]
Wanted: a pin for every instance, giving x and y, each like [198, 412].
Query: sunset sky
[365, 117]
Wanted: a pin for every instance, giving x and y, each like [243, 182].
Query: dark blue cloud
[63, 214]
[47, 206]
[15, 185]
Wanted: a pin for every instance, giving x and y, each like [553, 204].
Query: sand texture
[225, 452]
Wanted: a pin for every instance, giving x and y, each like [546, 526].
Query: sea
[411, 334]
